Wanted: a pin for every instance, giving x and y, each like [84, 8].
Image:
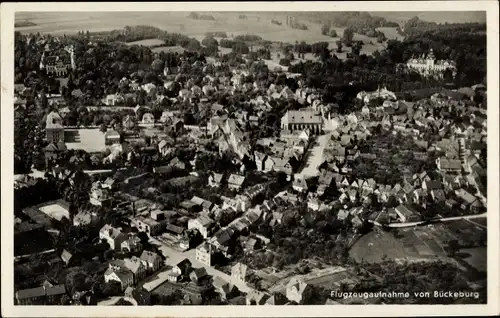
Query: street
[452, 218]
[315, 156]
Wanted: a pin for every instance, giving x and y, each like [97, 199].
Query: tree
[333, 33]
[103, 128]
[325, 29]
[348, 36]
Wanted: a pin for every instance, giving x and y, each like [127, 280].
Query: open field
[173, 49]
[475, 257]
[436, 16]
[412, 243]
[59, 23]
[55, 211]
[90, 140]
[147, 42]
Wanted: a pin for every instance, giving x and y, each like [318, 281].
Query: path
[314, 156]
[33, 254]
[452, 218]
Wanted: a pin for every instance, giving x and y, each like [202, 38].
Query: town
[152, 168]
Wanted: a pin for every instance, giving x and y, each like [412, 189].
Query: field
[90, 140]
[418, 243]
[176, 22]
[173, 49]
[433, 16]
[55, 211]
[147, 42]
[475, 257]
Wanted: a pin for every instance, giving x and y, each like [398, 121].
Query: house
[255, 297]
[215, 179]
[133, 264]
[260, 159]
[204, 254]
[239, 272]
[203, 224]
[300, 184]
[235, 182]
[150, 225]
[112, 236]
[128, 123]
[68, 258]
[148, 119]
[124, 277]
[43, 295]
[151, 261]
[52, 151]
[54, 128]
[164, 147]
[109, 183]
[298, 291]
[198, 274]
[131, 244]
[429, 185]
[468, 201]
[406, 214]
[99, 196]
[313, 204]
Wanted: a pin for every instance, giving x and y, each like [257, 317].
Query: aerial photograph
[250, 158]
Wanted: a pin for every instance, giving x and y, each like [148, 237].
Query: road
[452, 218]
[34, 254]
[315, 156]
[174, 257]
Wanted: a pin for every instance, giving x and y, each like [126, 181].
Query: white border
[7, 24]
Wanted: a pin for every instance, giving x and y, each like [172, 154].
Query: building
[406, 214]
[298, 291]
[235, 182]
[58, 65]
[133, 264]
[215, 180]
[46, 294]
[149, 225]
[203, 224]
[151, 261]
[430, 66]
[300, 120]
[113, 236]
[131, 244]
[204, 254]
[124, 277]
[148, 119]
[99, 196]
[449, 165]
[54, 128]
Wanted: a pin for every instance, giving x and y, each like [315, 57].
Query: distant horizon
[396, 16]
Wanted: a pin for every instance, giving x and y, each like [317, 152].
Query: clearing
[147, 42]
[90, 140]
[55, 211]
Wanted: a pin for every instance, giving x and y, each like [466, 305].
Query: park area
[147, 42]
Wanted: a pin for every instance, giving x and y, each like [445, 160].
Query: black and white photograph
[217, 159]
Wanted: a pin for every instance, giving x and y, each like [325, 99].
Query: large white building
[429, 65]
[302, 119]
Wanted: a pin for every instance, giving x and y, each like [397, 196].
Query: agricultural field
[147, 42]
[173, 49]
[177, 22]
[417, 243]
[438, 17]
